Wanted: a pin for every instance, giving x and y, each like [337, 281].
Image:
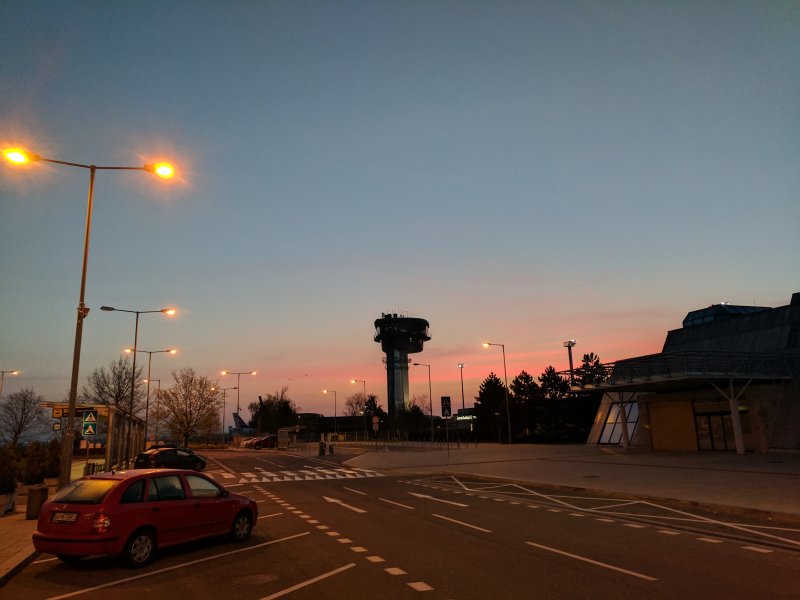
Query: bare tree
[190, 404]
[354, 405]
[22, 417]
[421, 401]
[112, 387]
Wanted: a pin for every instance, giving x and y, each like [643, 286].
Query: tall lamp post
[569, 344]
[238, 383]
[149, 362]
[335, 429]
[364, 412]
[461, 368]
[430, 393]
[223, 390]
[3, 377]
[129, 424]
[20, 157]
[505, 375]
[158, 405]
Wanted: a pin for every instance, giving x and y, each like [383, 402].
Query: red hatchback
[133, 513]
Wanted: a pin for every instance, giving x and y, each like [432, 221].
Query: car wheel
[241, 526]
[198, 466]
[140, 548]
[257, 446]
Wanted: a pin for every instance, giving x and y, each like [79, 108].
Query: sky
[520, 172]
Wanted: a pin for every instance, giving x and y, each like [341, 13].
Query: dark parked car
[170, 458]
[134, 513]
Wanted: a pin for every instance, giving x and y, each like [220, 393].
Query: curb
[16, 563]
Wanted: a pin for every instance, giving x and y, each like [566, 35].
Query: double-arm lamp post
[335, 430]
[3, 377]
[129, 425]
[21, 157]
[238, 383]
[505, 375]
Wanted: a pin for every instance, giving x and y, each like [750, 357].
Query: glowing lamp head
[128, 350]
[486, 344]
[223, 372]
[173, 351]
[164, 170]
[168, 311]
[19, 156]
[252, 372]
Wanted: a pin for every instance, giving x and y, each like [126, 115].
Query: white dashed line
[757, 549]
[395, 571]
[375, 559]
[668, 532]
[709, 540]
[420, 586]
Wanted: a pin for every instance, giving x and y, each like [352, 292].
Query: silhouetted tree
[112, 387]
[189, 403]
[273, 412]
[21, 417]
[490, 407]
[591, 370]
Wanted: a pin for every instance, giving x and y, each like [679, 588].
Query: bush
[9, 470]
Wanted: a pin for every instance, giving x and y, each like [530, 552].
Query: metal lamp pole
[19, 156]
[3, 377]
[364, 383]
[335, 429]
[129, 423]
[149, 362]
[223, 410]
[505, 375]
[461, 368]
[238, 383]
[158, 406]
[430, 393]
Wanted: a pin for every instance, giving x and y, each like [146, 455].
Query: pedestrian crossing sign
[89, 429]
[90, 416]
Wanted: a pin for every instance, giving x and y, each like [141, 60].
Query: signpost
[89, 430]
[446, 414]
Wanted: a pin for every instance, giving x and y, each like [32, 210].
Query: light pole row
[21, 157]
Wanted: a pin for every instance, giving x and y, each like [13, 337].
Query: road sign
[59, 412]
[89, 429]
[90, 416]
[446, 406]
[375, 421]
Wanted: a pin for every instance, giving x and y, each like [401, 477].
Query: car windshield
[85, 491]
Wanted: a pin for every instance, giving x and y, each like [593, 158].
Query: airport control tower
[399, 336]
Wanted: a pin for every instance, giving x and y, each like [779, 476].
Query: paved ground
[748, 484]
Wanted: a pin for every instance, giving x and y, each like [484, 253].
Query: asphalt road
[327, 531]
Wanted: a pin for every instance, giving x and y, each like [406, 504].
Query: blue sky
[521, 172]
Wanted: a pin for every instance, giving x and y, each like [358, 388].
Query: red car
[133, 513]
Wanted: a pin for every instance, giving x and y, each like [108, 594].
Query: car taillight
[101, 523]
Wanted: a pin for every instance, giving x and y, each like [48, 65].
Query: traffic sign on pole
[446, 406]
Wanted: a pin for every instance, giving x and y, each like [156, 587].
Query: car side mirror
[224, 493]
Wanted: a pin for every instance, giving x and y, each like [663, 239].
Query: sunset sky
[511, 171]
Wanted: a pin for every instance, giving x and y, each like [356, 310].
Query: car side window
[134, 493]
[182, 454]
[202, 487]
[166, 487]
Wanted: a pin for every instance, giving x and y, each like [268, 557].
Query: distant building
[729, 379]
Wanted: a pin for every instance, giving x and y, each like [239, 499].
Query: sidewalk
[752, 483]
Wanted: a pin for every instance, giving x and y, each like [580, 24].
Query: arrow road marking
[438, 499]
[339, 502]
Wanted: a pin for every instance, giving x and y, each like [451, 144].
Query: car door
[210, 505]
[168, 502]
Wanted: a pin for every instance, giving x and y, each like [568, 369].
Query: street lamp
[364, 412]
[505, 375]
[335, 429]
[461, 368]
[3, 377]
[20, 157]
[430, 393]
[223, 408]
[238, 383]
[129, 425]
[149, 361]
[158, 406]
[569, 344]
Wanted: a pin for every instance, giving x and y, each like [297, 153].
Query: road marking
[375, 559]
[604, 520]
[396, 503]
[345, 541]
[594, 562]
[395, 571]
[269, 516]
[635, 525]
[44, 560]
[354, 491]
[358, 549]
[438, 499]
[757, 549]
[709, 540]
[462, 523]
[668, 532]
[420, 586]
[176, 567]
[333, 533]
[340, 503]
[294, 588]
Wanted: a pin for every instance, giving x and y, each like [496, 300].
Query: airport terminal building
[728, 379]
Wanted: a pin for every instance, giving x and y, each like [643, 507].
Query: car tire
[242, 526]
[257, 446]
[140, 548]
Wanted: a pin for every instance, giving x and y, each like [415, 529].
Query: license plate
[65, 517]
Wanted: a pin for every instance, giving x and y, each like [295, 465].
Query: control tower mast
[399, 336]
